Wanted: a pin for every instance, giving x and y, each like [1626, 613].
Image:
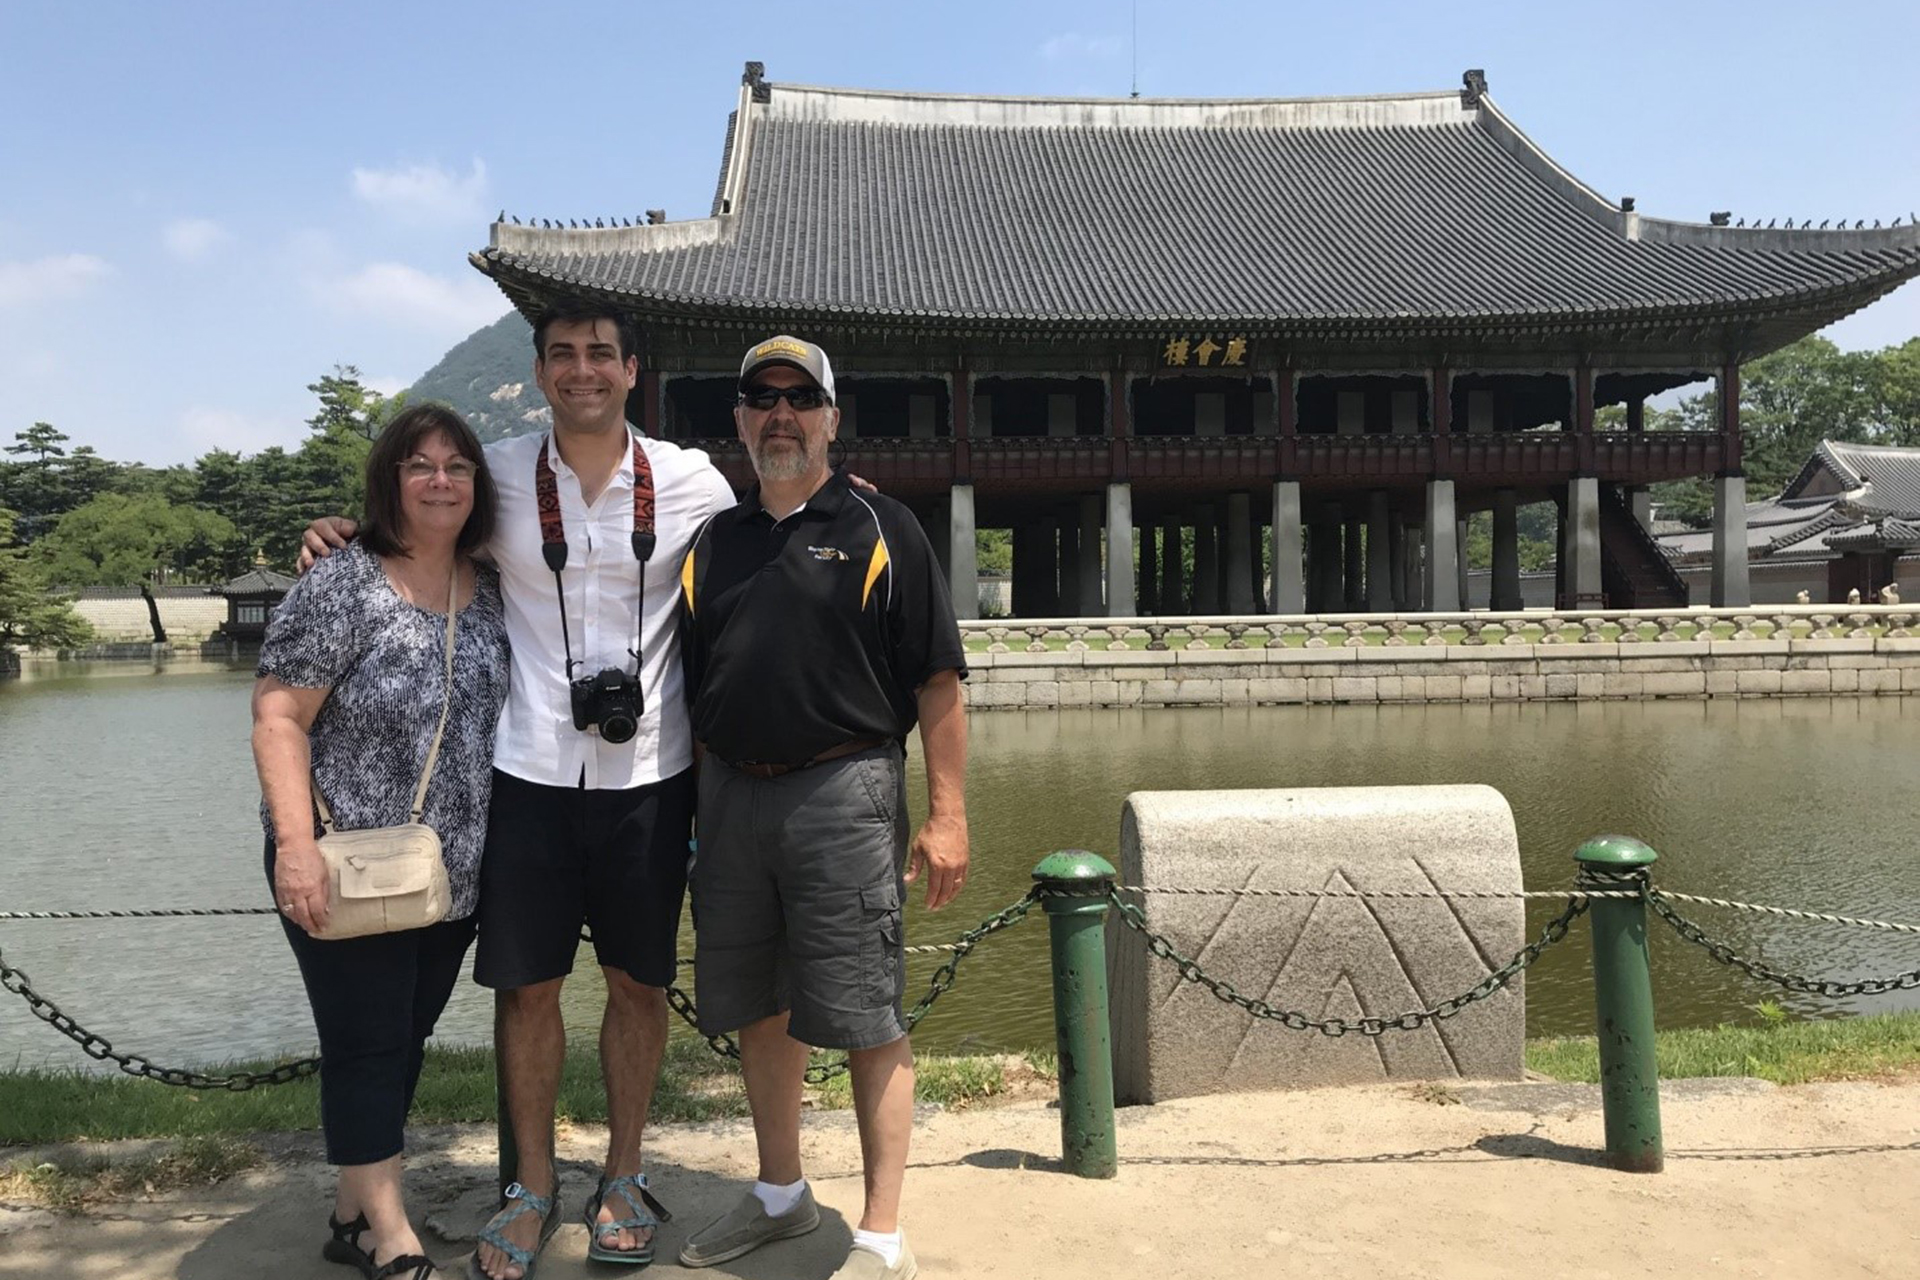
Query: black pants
[375, 1000]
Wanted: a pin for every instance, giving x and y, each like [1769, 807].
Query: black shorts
[561, 857]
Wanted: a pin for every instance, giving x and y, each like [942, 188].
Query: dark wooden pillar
[1637, 414]
[650, 402]
[1729, 408]
[1289, 416]
[1117, 423]
[1583, 417]
[1441, 411]
[962, 409]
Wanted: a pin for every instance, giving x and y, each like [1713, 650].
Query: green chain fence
[1076, 889]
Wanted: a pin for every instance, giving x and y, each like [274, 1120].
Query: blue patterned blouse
[343, 627]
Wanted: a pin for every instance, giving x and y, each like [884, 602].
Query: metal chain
[97, 1046]
[138, 913]
[1190, 970]
[1753, 968]
[941, 982]
[1556, 895]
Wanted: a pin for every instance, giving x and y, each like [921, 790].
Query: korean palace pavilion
[1217, 356]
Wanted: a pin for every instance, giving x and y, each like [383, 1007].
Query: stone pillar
[1395, 595]
[1505, 596]
[1148, 592]
[1240, 554]
[1355, 569]
[1090, 603]
[1324, 594]
[1410, 595]
[1460, 561]
[1289, 581]
[963, 563]
[1069, 571]
[1730, 587]
[1206, 562]
[1121, 602]
[1440, 576]
[1173, 578]
[1380, 553]
[1583, 544]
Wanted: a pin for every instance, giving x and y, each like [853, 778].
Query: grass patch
[1877, 1047]
[71, 1184]
[456, 1087]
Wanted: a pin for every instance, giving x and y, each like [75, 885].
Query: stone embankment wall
[118, 620]
[1430, 658]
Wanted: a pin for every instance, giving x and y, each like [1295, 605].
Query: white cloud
[424, 192]
[191, 239]
[204, 427]
[397, 294]
[49, 279]
[1071, 46]
[385, 385]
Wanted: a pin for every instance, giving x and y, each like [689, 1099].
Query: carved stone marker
[1332, 957]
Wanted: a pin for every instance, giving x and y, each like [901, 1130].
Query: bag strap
[446, 708]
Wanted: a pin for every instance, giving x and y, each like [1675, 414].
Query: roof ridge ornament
[755, 78]
[1475, 87]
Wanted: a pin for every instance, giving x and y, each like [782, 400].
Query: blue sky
[208, 204]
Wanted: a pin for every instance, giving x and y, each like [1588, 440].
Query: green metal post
[1076, 884]
[1623, 1003]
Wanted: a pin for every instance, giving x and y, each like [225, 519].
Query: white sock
[779, 1201]
[885, 1243]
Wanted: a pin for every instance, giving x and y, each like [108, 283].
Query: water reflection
[139, 791]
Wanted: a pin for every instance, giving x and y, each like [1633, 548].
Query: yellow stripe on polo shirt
[686, 579]
[875, 567]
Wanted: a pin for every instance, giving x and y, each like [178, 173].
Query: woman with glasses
[353, 679]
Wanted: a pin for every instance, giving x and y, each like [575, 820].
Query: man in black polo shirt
[817, 633]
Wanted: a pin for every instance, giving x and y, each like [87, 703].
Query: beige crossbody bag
[385, 879]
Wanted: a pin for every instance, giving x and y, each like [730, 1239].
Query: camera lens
[618, 726]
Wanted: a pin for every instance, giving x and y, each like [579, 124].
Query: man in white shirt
[593, 789]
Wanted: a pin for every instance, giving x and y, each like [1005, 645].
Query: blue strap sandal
[519, 1201]
[645, 1214]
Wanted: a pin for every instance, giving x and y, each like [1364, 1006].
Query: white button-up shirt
[536, 739]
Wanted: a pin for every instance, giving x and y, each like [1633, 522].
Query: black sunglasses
[798, 397]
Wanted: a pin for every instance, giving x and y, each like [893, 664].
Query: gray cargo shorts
[796, 899]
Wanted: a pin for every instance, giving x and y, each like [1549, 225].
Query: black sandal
[345, 1248]
[345, 1245]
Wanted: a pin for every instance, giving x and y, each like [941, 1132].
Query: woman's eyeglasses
[457, 471]
[801, 398]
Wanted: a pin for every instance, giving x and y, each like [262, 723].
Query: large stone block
[1324, 957]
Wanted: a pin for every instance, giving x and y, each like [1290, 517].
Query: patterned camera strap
[553, 537]
[446, 706]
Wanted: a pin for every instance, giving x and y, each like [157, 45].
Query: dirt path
[1476, 1181]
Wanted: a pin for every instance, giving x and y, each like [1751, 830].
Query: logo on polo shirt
[827, 553]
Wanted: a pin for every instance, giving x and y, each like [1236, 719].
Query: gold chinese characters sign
[1190, 353]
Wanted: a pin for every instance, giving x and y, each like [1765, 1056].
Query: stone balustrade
[1483, 656]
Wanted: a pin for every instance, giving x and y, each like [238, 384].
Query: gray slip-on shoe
[865, 1264]
[746, 1227]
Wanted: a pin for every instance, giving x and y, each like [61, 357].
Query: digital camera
[612, 700]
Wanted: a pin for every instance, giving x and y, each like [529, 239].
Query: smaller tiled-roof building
[1849, 521]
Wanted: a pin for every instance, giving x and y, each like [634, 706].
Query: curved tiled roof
[1892, 470]
[1418, 212]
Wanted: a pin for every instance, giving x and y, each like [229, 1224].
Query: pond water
[123, 786]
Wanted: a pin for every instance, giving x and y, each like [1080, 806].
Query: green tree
[30, 614]
[33, 488]
[116, 540]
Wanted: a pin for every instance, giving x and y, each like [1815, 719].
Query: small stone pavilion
[1222, 356]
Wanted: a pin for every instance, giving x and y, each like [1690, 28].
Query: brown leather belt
[763, 769]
